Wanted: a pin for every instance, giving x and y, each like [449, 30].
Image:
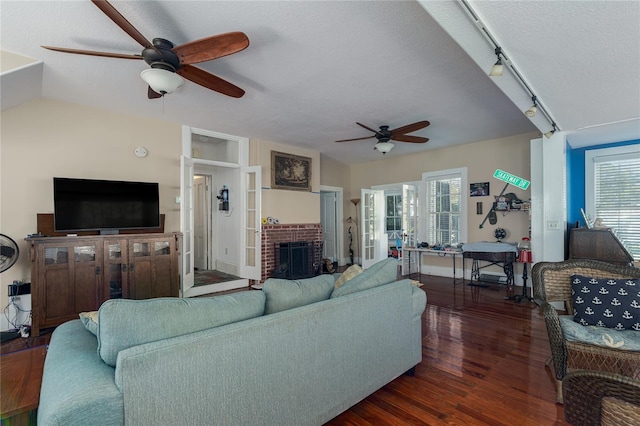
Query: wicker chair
[597, 398]
[552, 283]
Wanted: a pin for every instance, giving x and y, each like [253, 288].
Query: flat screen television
[104, 205]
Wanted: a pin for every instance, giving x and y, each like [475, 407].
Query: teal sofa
[296, 353]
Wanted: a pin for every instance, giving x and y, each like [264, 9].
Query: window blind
[444, 196]
[617, 197]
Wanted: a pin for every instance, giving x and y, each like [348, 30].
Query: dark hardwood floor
[483, 363]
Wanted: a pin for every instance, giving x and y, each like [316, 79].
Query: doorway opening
[331, 218]
[209, 267]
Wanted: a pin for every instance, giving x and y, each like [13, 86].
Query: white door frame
[339, 221]
[186, 209]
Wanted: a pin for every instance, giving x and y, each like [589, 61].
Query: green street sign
[511, 179]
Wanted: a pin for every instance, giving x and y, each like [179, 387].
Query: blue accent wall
[576, 178]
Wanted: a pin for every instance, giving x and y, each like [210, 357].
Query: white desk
[441, 253]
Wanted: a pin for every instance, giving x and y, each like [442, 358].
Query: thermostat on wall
[140, 152]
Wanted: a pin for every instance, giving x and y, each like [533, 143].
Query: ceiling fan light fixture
[383, 147]
[498, 68]
[162, 81]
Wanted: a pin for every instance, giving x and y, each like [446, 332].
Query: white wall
[548, 189]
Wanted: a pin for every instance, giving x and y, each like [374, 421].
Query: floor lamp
[355, 202]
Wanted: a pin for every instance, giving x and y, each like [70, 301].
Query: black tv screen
[90, 205]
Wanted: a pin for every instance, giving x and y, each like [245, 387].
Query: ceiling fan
[170, 63]
[384, 135]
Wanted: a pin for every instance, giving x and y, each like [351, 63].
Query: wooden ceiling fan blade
[410, 139]
[410, 127]
[368, 128]
[209, 48]
[93, 53]
[122, 22]
[152, 94]
[356, 139]
[210, 81]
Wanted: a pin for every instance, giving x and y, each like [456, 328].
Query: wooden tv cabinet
[70, 275]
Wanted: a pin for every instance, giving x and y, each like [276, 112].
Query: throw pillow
[379, 273]
[284, 294]
[351, 272]
[606, 302]
[90, 321]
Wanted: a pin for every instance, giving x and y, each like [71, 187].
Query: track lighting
[531, 112]
[383, 147]
[497, 69]
[551, 132]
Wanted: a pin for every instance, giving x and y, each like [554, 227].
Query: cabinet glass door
[115, 269]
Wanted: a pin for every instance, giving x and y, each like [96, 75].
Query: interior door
[201, 219]
[409, 226]
[251, 247]
[328, 221]
[373, 239]
[186, 221]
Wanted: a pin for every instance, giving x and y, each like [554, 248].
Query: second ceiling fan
[384, 135]
[168, 62]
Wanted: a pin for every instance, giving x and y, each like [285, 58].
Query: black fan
[8, 252]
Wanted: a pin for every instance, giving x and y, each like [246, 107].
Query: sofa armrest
[77, 387]
[556, 339]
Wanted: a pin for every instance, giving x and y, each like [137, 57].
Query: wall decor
[292, 172]
[479, 189]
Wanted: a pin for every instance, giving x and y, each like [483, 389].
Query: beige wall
[289, 207]
[45, 138]
[510, 154]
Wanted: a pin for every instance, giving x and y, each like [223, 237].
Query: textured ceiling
[314, 68]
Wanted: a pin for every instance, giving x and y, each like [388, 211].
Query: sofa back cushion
[124, 323]
[379, 273]
[288, 294]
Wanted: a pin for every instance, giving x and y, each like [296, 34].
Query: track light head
[551, 132]
[531, 112]
[498, 68]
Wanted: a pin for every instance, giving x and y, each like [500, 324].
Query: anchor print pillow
[606, 302]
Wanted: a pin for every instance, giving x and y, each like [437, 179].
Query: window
[446, 202]
[394, 216]
[613, 192]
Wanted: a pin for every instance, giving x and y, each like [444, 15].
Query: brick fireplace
[272, 234]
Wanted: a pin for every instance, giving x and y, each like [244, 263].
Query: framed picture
[479, 189]
[290, 171]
